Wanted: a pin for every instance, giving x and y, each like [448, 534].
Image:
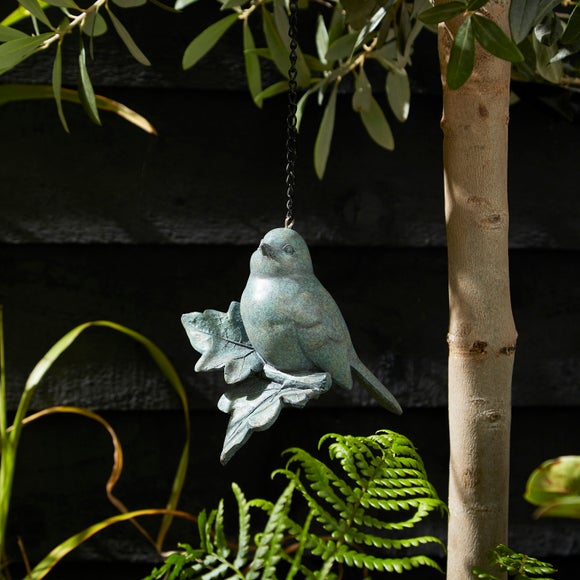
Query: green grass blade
[165, 367]
[70, 544]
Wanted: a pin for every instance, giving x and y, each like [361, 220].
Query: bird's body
[292, 321]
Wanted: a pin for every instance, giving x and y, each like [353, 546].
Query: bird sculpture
[293, 322]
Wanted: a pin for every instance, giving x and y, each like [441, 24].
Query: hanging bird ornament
[286, 341]
[283, 344]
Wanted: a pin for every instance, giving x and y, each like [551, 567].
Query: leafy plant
[520, 566]
[358, 516]
[86, 24]
[555, 487]
[350, 37]
[10, 439]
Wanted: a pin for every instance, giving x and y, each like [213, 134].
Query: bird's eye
[288, 249]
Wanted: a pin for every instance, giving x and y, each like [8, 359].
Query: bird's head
[282, 252]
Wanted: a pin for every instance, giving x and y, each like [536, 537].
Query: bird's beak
[267, 250]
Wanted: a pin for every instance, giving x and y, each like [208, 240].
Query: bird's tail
[374, 387]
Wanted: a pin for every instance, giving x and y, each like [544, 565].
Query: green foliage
[350, 38]
[81, 22]
[555, 487]
[360, 509]
[517, 565]
[10, 439]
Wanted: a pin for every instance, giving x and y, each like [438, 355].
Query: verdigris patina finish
[285, 343]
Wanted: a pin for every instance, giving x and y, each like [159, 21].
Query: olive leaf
[442, 12]
[363, 93]
[15, 51]
[257, 402]
[493, 39]
[377, 126]
[7, 33]
[57, 86]
[128, 39]
[221, 339]
[252, 62]
[398, 92]
[35, 10]
[324, 136]
[206, 40]
[462, 56]
[86, 91]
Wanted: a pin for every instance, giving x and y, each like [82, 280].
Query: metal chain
[291, 121]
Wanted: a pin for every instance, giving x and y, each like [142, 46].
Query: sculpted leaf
[256, 404]
[222, 341]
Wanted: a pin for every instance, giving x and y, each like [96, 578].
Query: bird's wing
[323, 335]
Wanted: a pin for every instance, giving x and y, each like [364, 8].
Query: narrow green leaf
[15, 51]
[57, 86]
[42, 569]
[63, 3]
[337, 24]
[35, 10]
[128, 40]
[572, 33]
[252, 62]
[273, 90]
[86, 91]
[443, 12]
[399, 93]
[494, 40]
[377, 126]
[95, 24]
[11, 93]
[324, 136]
[342, 47]
[130, 3]
[363, 93]
[275, 43]
[462, 56]
[7, 34]
[206, 40]
[321, 39]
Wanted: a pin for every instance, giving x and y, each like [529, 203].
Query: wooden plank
[215, 175]
[395, 302]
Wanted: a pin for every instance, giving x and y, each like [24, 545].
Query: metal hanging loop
[291, 120]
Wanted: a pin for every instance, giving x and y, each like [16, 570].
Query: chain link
[291, 120]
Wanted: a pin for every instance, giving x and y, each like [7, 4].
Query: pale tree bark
[482, 333]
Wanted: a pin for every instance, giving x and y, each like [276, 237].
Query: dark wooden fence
[111, 223]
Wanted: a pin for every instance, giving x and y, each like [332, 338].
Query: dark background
[112, 223]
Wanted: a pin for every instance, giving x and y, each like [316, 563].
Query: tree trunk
[482, 333]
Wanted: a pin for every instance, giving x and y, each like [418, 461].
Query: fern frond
[361, 506]
[244, 527]
[269, 542]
